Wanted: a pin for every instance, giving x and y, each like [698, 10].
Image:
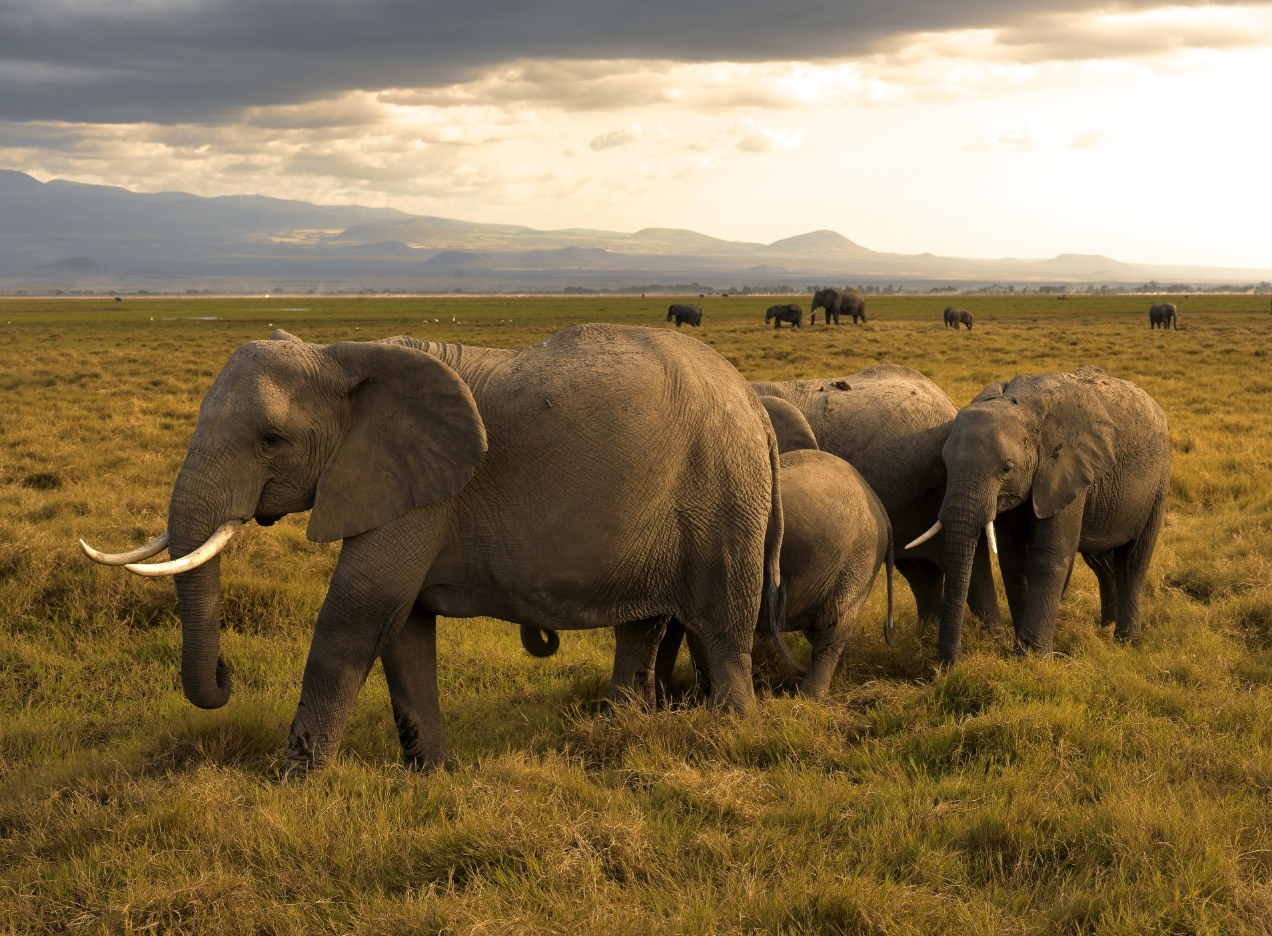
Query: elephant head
[360, 433]
[1040, 439]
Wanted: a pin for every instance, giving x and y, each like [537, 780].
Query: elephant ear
[1077, 445]
[992, 392]
[789, 425]
[414, 437]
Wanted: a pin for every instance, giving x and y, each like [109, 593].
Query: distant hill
[50, 230]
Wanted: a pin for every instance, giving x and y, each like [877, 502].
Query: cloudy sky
[962, 127]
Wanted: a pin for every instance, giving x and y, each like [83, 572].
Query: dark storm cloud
[203, 60]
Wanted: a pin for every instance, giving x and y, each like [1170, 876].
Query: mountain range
[75, 236]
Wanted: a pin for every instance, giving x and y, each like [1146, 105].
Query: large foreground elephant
[1062, 464]
[606, 475]
[837, 302]
[890, 423]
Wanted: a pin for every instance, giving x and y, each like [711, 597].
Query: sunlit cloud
[944, 140]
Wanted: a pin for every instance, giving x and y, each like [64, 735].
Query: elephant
[1061, 464]
[836, 301]
[836, 536]
[956, 316]
[790, 312]
[603, 476]
[1163, 315]
[890, 423]
[683, 312]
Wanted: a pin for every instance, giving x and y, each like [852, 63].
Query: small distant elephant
[1162, 315]
[1060, 464]
[955, 317]
[784, 313]
[683, 312]
[837, 301]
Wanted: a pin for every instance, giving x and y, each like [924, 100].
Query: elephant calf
[1163, 315]
[955, 317]
[836, 538]
[684, 312]
[784, 313]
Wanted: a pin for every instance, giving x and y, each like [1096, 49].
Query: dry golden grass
[1106, 789]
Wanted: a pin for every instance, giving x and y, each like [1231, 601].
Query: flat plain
[1105, 789]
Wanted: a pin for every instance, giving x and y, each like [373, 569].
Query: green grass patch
[1104, 790]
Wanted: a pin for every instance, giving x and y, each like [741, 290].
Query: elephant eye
[1008, 466]
[271, 439]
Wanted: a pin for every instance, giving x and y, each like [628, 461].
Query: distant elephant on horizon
[1163, 315]
[955, 317]
[837, 302]
[790, 312]
[684, 312]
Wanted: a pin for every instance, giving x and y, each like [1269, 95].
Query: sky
[976, 128]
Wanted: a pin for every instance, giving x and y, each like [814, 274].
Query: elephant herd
[850, 302]
[614, 476]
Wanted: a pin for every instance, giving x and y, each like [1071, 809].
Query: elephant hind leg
[635, 656]
[828, 637]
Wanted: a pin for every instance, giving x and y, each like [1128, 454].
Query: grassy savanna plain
[1106, 789]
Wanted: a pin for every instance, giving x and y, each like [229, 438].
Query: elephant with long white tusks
[604, 476]
[1057, 464]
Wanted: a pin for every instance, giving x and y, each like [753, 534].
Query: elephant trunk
[964, 514]
[194, 513]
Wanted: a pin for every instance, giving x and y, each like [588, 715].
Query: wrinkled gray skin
[837, 302]
[1066, 463]
[790, 312]
[890, 423]
[1163, 315]
[683, 312]
[605, 475]
[953, 317]
[836, 537]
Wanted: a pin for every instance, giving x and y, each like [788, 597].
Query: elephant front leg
[410, 667]
[1130, 570]
[1102, 565]
[372, 592]
[635, 653]
[1013, 529]
[1051, 551]
[927, 583]
[981, 597]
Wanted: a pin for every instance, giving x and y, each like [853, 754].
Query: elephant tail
[774, 587]
[890, 562]
[538, 642]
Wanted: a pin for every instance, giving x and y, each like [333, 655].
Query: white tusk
[191, 560]
[153, 548]
[989, 535]
[936, 528]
